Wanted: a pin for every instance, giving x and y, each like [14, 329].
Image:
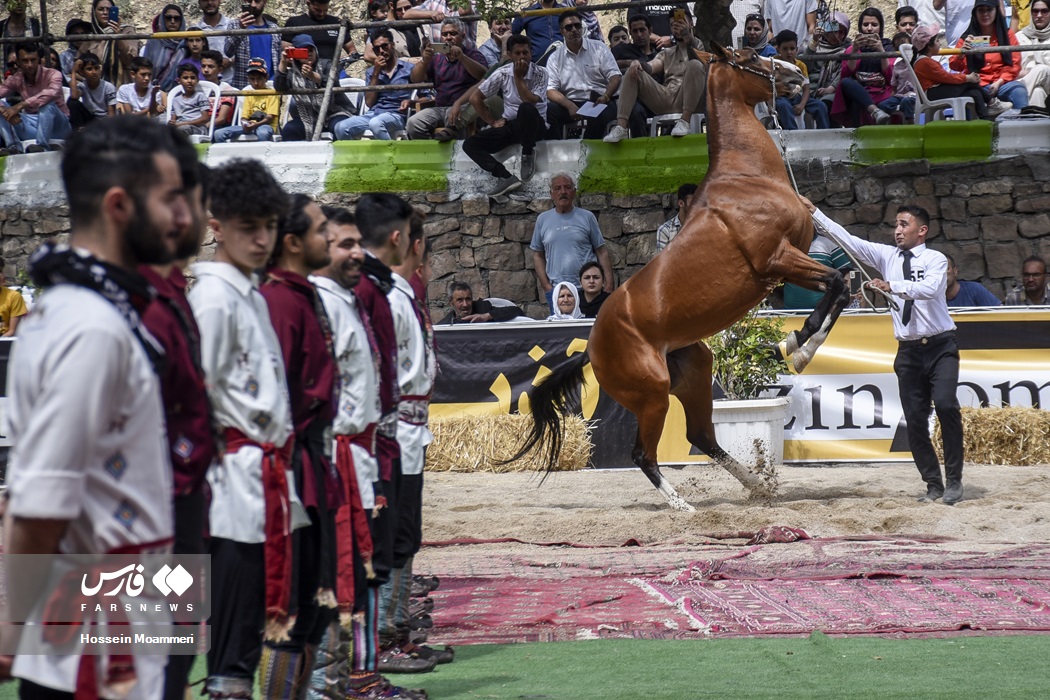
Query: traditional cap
[923, 35]
[257, 65]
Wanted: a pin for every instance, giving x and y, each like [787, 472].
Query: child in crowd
[140, 97]
[195, 47]
[90, 97]
[903, 97]
[939, 83]
[790, 107]
[190, 111]
[211, 70]
[260, 111]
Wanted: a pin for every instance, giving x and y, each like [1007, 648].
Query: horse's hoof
[791, 344]
[681, 506]
[801, 359]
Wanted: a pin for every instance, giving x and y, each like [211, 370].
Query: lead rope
[864, 288]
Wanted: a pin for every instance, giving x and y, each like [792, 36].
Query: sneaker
[997, 107]
[383, 690]
[505, 185]
[616, 134]
[397, 660]
[681, 128]
[528, 166]
[441, 656]
[880, 116]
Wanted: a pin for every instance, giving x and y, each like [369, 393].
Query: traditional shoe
[505, 185]
[681, 128]
[953, 493]
[932, 494]
[383, 690]
[418, 636]
[432, 582]
[420, 622]
[616, 134]
[528, 166]
[441, 656]
[397, 660]
[420, 606]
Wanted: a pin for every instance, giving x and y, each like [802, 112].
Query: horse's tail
[550, 401]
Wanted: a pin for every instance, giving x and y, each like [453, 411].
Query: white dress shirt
[501, 82]
[577, 75]
[245, 378]
[929, 279]
[415, 372]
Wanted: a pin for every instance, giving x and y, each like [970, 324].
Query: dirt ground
[1002, 504]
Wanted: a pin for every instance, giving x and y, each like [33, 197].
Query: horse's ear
[719, 50]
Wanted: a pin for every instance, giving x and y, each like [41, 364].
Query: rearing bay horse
[744, 233]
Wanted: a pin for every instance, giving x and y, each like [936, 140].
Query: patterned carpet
[724, 589]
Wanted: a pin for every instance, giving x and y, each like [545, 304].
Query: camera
[830, 27]
[297, 54]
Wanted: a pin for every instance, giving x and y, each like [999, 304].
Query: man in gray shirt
[565, 238]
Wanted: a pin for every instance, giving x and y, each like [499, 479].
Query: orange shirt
[930, 73]
[993, 68]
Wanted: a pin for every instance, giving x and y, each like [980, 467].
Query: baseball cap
[303, 41]
[257, 65]
[986, 3]
[75, 24]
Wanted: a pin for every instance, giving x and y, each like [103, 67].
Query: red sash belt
[365, 439]
[351, 525]
[277, 550]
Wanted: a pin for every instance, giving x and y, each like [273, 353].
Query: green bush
[746, 357]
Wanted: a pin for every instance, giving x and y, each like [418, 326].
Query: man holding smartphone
[454, 70]
[241, 49]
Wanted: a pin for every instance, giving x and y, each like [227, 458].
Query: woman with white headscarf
[1035, 70]
[566, 303]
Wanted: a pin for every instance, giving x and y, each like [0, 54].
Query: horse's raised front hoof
[801, 359]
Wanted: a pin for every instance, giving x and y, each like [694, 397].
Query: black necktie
[906, 315]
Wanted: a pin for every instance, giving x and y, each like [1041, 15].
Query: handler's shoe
[383, 690]
[953, 493]
[397, 660]
[441, 656]
[932, 494]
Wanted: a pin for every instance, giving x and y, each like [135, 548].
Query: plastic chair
[934, 110]
[213, 93]
[697, 123]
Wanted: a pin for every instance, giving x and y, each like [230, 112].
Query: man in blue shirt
[386, 110]
[542, 31]
[962, 293]
[241, 49]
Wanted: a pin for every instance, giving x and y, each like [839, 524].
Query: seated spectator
[541, 30]
[385, 110]
[260, 112]
[1034, 290]
[618, 35]
[141, 97]
[90, 97]
[790, 107]
[903, 98]
[1035, 65]
[191, 110]
[998, 71]
[823, 250]
[566, 303]
[907, 19]
[41, 114]
[495, 49]
[684, 83]
[453, 74]
[298, 74]
[167, 54]
[641, 47]
[51, 60]
[523, 87]
[592, 284]
[830, 37]
[669, 229]
[211, 70]
[12, 307]
[115, 55]
[194, 46]
[661, 15]
[579, 71]
[17, 25]
[865, 82]
[70, 55]
[592, 28]
[756, 36]
[465, 309]
[939, 83]
[408, 41]
[962, 293]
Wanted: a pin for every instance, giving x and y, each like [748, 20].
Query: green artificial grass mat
[813, 667]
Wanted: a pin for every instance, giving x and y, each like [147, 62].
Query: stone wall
[989, 215]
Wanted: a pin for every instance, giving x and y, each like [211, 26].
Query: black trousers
[526, 129]
[944, 92]
[239, 610]
[558, 117]
[28, 690]
[190, 513]
[409, 535]
[929, 372]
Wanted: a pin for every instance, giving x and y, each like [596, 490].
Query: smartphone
[830, 27]
[679, 15]
[297, 54]
[855, 281]
[982, 40]
[114, 13]
[439, 47]
[246, 9]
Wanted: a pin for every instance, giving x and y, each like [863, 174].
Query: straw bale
[1013, 435]
[477, 443]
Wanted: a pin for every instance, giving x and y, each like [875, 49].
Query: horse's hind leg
[690, 369]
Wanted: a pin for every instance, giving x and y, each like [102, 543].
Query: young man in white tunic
[252, 498]
[89, 471]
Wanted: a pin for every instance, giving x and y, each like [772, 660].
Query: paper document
[589, 109]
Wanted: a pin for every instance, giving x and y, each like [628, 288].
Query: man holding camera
[241, 49]
[454, 70]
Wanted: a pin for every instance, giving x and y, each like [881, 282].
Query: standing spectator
[618, 35]
[1034, 290]
[906, 18]
[1020, 14]
[260, 112]
[925, 10]
[865, 82]
[211, 70]
[592, 285]
[962, 293]
[660, 16]
[115, 55]
[241, 49]
[566, 303]
[581, 70]
[68, 57]
[788, 108]
[956, 18]
[386, 110]
[212, 22]
[41, 114]
[592, 27]
[141, 97]
[191, 110]
[830, 37]
[800, 16]
[565, 238]
[89, 476]
[167, 54]
[669, 229]
[683, 88]
[249, 516]
[408, 41]
[939, 83]
[927, 362]
[12, 307]
[437, 10]
[1035, 73]
[453, 73]
[16, 25]
[542, 30]
[998, 71]
[467, 309]
[524, 90]
[756, 36]
[324, 39]
[903, 97]
[495, 49]
[640, 48]
[90, 97]
[306, 74]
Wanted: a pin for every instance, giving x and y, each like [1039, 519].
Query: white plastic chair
[212, 92]
[934, 110]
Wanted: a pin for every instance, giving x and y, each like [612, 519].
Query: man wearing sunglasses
[579, 71]
[386, 110]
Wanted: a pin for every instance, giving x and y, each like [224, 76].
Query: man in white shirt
[579, 71]
[253, 501]
[927, 363]
[212, 21]
[89, 472]
[800, 16]
[957, 16]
